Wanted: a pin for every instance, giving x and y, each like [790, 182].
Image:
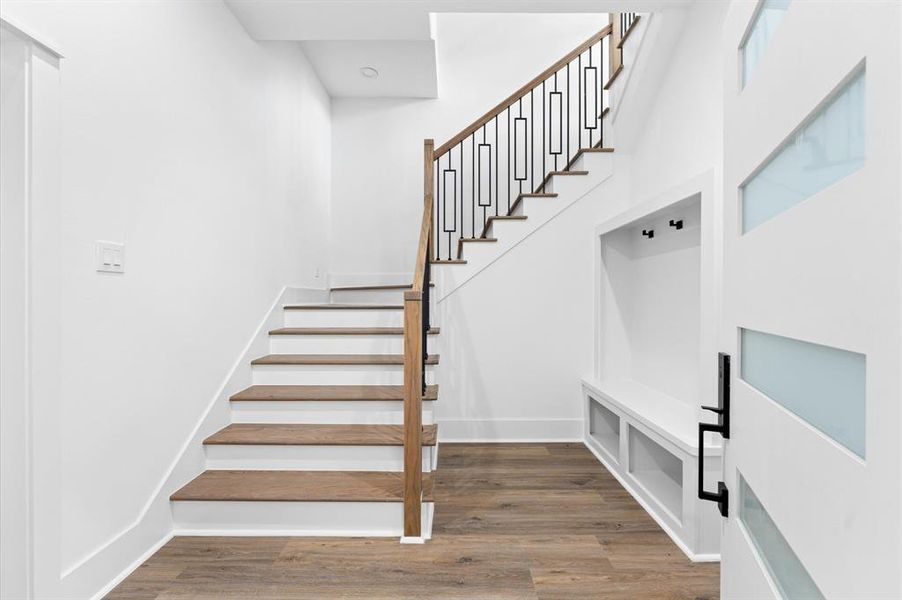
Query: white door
[812, 304]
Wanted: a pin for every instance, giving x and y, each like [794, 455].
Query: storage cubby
[658, 471]
[604, 428]
[650, 301]
[656, 362]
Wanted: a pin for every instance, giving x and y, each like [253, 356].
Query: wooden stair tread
[337, 359]
[299, 486]
[450, 261]
[327, 393]
[610, 82]
[553, 173]
[358, 288]
[344, 331]
[581, 151]
[343, 307]
[306, 434]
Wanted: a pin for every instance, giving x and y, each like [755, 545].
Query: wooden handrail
[522, 91]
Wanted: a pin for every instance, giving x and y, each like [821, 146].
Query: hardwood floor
[513, 521]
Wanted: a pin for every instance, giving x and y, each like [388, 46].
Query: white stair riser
[311, 458]
[340, 411]
[367, 296]
[344, 318]
[358, 519]
[568, 186]
[593, 162]
[336, 344]
[332, 375]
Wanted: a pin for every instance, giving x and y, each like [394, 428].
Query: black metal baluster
[532, 143]
[462, 190]
[579, 94]
[497, 198]
[544, 110]
[560, 133]
[473, 186]
[568, 113]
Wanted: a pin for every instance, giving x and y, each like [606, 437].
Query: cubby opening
[604, 428]
[650, 286]
[658, 471]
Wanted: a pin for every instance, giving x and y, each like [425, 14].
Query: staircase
[337, 434]
[316, 445]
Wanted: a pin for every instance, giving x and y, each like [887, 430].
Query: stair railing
[552, 98]
[480, 172]
[416, 329]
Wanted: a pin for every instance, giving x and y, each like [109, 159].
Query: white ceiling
[393, 36]
[406, 67]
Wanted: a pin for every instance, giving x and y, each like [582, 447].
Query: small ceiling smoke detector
[369, 72]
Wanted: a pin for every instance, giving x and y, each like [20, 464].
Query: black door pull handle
[722, 495]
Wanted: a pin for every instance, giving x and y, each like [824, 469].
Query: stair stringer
[570, 188]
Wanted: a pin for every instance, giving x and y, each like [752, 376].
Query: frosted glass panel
[824, 386]
[763, 27]
[786, 570]
[827, 148]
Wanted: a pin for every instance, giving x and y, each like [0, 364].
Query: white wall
[377, 153]
[207, 154]
[517, 337]
[14, 53]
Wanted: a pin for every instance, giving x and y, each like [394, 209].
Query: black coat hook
[676, 224]
[649, 233]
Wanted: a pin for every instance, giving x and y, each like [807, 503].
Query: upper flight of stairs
[529, 211]
[315, 445]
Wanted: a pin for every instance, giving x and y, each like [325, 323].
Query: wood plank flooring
[513, 521]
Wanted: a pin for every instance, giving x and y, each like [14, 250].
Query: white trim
[129, 569]
[44, 42]
[355, 279]
[652, 513]
[302, 533]
[510, 430]
[412, 539]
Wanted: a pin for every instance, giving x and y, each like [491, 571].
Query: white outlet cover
[109, 257]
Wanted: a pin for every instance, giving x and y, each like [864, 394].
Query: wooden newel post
[428, 189]
[615, 54]
[413, 412]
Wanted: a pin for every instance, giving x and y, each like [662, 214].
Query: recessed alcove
[656, 358]
[604, 427]
[650, 303]
[657, 470]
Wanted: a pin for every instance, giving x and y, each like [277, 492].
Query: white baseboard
[352, 279]
[510, 430]
[412, 539]
[134, 565]
[650, 510]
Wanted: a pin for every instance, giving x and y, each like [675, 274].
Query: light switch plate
[109, 257]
